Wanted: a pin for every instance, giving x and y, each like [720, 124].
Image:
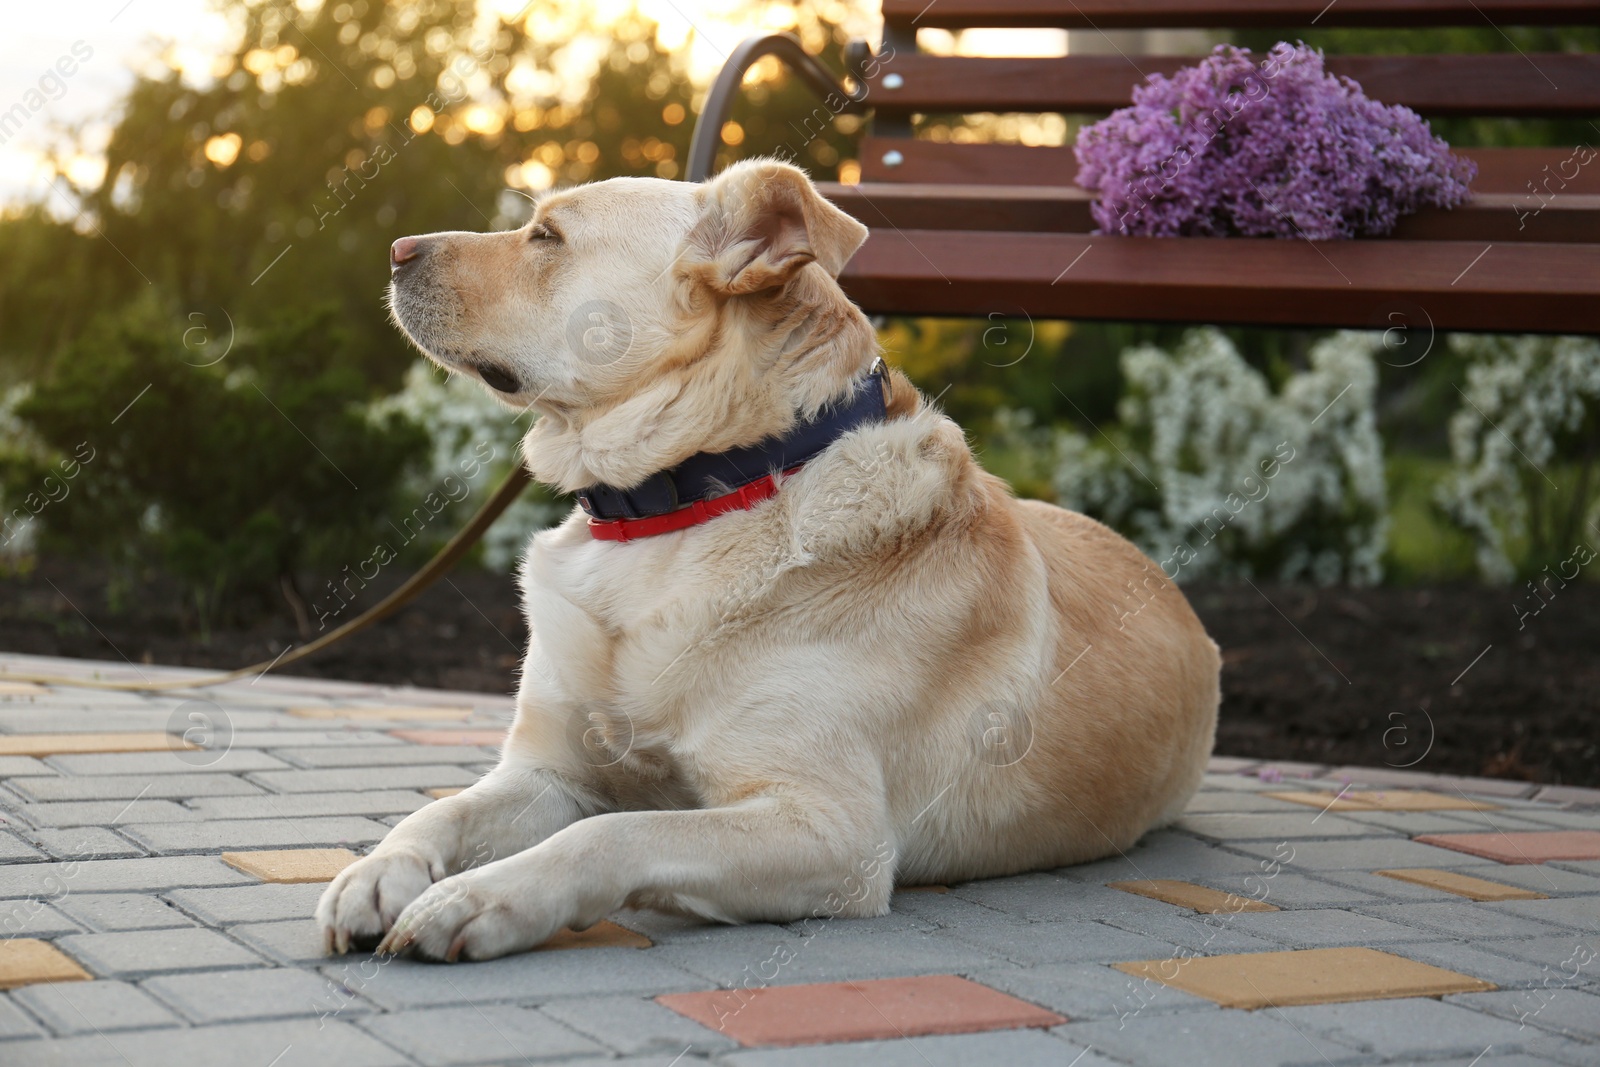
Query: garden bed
[1360, 676]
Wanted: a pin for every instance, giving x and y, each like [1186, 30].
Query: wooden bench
[979, 229]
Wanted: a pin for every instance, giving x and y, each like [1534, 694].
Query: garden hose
[435, 568]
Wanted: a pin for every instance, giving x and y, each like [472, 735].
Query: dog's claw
[455, 948]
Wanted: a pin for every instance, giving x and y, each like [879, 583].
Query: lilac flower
[1277, 149]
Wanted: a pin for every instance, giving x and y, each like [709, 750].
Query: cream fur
[892, 672]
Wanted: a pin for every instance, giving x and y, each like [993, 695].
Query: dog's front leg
[508, 810]
[766, 858]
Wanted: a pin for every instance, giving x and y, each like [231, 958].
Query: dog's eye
[540, 232]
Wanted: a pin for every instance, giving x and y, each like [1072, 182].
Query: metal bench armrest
[708, 127]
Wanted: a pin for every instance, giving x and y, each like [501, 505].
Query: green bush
[235, 477]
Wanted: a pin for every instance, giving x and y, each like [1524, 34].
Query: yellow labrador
[797, 647]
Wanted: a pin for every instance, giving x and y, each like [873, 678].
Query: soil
[1445, 680]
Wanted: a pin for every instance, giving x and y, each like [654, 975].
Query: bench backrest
[905, 82]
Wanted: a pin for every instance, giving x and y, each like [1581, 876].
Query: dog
[795, 647]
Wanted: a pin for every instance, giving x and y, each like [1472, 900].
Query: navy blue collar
[708, 474]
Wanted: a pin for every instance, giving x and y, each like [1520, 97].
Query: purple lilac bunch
[1230, 147]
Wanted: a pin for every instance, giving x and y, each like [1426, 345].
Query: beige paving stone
[61, 744]
[440, 792]
[1462, 885]
[603, 934]
[1385, 800]
[1308, 976]
[292, 866]
[1188, 895]
[29, 961]
[18, 689]
[396, 714]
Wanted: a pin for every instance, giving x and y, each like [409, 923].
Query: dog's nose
[404, 251]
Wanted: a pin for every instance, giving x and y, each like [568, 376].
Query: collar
[708, 484]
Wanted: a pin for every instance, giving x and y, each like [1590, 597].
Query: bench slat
[1490, 84]
[1500, 170]
[1205, 14]
[1023, 208]
[1457, 284]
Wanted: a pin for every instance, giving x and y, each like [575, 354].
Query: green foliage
[234, 476]
[1526, 449]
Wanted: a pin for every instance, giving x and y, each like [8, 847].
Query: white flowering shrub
[476, 440]
[1523, 446]
[1215, 474]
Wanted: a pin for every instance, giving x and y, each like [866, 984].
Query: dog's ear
[761, 222]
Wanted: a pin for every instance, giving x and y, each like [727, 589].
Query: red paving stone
[1534, 846]
[450, 737]
[871, 1010]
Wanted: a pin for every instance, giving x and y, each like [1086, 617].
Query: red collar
[741, 499]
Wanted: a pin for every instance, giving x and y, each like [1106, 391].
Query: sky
[118, 37]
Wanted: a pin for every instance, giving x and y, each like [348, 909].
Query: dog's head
[646, 320]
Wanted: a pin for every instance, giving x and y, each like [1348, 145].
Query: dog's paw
[369, 895]
[470, 916]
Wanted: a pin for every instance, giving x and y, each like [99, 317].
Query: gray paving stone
[1546, 878]
[1329, 928]
[1551, 818]
[90, 1007]
[1307, 824]
[1462, 918]
[1550, 951]
[51, 720]
[1231, 800]
[262, 993]
[14, 849]
[22, 767]
[1209, 935]
[1014, 1048]
[128, 786]
[1288, 889]
[1208, 1039]
[1408, 1028]
[299, 805]
[133, 954]
[1083, 991]
[1366, 855]
[831, 955]
[34, 918]
[1059, 942]
[105, 813]
[234, 761]
[274, 739]
[249, 903]
[296, 941]
[115, 912]
[947, 909]
[457, 1036]
[1416, 822]
[636, 1026]
[1167, 854]
[1572, 1012]
[363, 778]
[394, 756]
[114, 876]
[14, 1022]
[526, 978]
[1380, 886]
[235, 1045]
[178, 838]
[84, 842]
[1507, 972]
[1579, 913]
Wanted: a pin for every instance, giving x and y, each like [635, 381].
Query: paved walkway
[156, 904]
